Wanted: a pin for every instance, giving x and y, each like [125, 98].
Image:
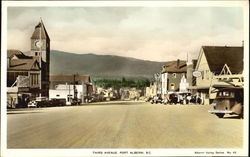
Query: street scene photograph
[126, 77]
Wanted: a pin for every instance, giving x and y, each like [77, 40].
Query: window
[57, 95]
[172, 86]
[174, 75]
[220, 94]
[232, 94]
[226, 93]
[34, 79]
[37, 78]
[36, 53]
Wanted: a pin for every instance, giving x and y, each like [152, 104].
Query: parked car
[156, 99]
[173, 99]
[32, 104]
[228, 101]
[42, 101]
[75, 102]
[57, 102]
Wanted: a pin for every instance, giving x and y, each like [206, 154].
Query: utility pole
[74, 83]
[40, 57]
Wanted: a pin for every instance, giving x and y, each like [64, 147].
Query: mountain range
[102, 66]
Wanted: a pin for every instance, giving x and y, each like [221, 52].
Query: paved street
[122, 125]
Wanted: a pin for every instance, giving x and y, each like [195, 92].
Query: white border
[126, 3]
[89, 152]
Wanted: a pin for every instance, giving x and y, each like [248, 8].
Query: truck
[228, 101]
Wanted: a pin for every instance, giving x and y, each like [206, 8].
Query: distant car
[165, 101]
[173, 99]
[75, 102]
[42, 101]
[32, 104]
[228, 101]
[156, 100]
[57, 102]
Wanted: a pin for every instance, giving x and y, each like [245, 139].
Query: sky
[148, 33]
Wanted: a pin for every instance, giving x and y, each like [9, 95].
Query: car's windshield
[226, 94]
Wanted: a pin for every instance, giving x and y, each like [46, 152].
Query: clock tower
[40, 50]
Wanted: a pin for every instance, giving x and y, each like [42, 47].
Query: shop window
[232, 94]
[226, 93]
[220, 94]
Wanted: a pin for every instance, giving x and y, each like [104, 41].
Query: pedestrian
[198, 100]
[167, 97]
[181, 101]
[188, 98]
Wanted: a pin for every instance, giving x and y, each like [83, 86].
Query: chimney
[178, 63]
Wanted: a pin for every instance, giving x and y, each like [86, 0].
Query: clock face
[39, 44]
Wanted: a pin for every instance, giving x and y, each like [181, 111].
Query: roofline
[219, 46]
[26, 70]
[46, 34]
[69, 74]
[173, 72]
[45, 29]
[199, 58]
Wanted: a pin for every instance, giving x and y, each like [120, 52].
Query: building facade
[74, 86]
[23, 78]
[171, 76]
[40, 49]
[28, 72]
[212, 61]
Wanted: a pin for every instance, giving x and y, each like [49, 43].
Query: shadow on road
[114, 103]
[22, 112]
[232, 117]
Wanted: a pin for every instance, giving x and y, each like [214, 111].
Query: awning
[221, 86]
[12, 89]
[198, 87]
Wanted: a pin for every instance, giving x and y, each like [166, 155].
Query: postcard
[124, 78]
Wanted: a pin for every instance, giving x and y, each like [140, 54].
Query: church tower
[40, 49]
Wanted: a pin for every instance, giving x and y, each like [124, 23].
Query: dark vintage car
[156, 100]
[57, 102]
[228, 101]
[42, 101]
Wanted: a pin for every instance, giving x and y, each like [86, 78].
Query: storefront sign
[197, 73]
[23, 81]
[23, 89]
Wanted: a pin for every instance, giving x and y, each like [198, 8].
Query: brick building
[28, 72]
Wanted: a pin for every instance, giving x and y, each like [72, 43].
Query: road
[122, 125]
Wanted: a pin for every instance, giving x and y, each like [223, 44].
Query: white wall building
[66, 91]
[184, 84]
[164, 83]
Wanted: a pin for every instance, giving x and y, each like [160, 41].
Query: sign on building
[23, 81]
[197, 73]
